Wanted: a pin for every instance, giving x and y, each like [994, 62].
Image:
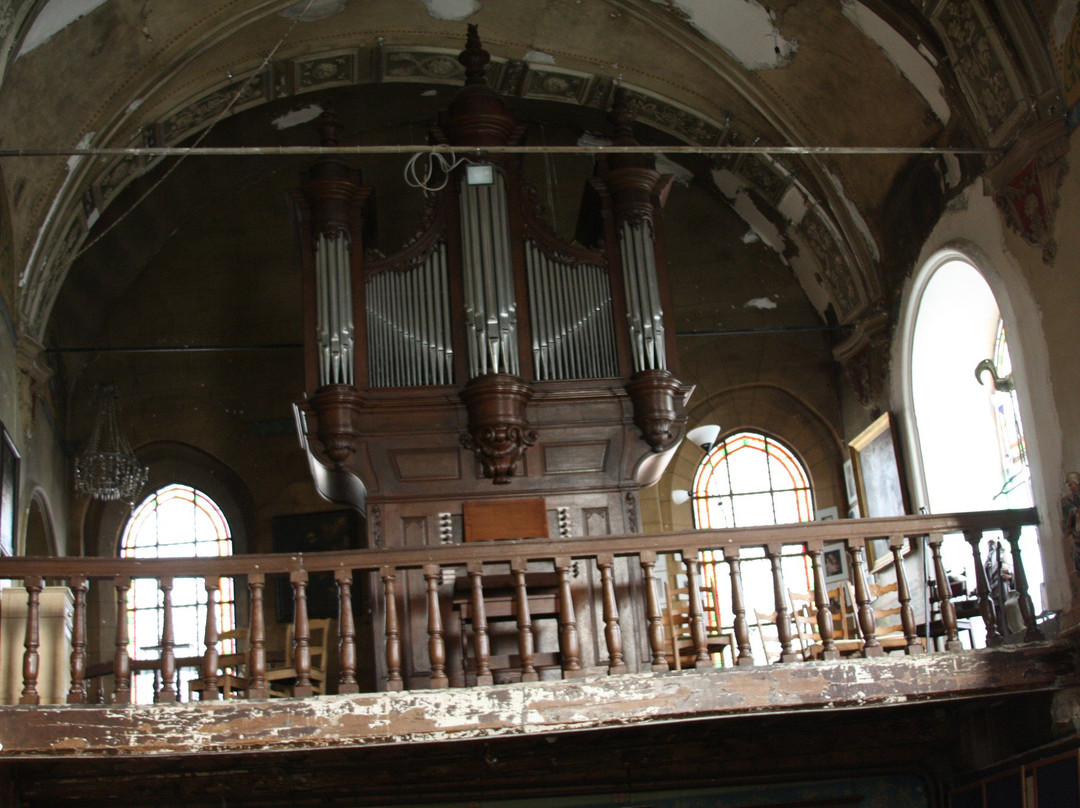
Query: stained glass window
[176, 521]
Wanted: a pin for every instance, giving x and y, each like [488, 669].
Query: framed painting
[9, 493]
[879, 482]
[836, 563]
[313, 533]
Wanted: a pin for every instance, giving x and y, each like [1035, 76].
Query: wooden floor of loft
[887, 711]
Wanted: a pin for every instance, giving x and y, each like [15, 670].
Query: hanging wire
[436, 162]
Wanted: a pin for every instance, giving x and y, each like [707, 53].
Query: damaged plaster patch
[54, 18]
[760, 303]
[539, 58]
[856, 217]
[743, 28]
[451, 9]
[734, 190]
[911, 63]
[296, 117]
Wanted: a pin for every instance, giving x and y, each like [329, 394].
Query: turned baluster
[863, 606]
[1032, 632]
[257, 687]
[478, 617]
[301, 636]
[77, 691]
[436, 640]
[569, 643]
[738, 608]
[31, 660]
[695, 615]
[987, 607]
[903, 596]
[346, 633]
[121, 659]
[209, 689]
[821, 602]
[612, 631]
[783, 614]
[653, 616]
[526, 645]
[948, 611]
[167, 694]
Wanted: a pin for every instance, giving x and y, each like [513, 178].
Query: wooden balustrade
[648, 553]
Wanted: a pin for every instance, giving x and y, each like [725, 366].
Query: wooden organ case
[489, 361]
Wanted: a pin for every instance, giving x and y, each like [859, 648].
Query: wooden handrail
[813, 534]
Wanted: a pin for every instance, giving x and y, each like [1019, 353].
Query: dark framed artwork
[879, 482]
[9, 493]
[313, 533]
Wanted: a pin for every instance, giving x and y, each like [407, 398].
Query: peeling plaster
[909, 60]
[296, 117]
[760, 303]
[539, 58]
[743, 28]
[856, 217]
[54, 18]
[451, 9]
[733, 188]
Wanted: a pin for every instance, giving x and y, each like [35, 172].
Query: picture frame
[316, 532]
[849, 482]
[835, 560]
[879, 482]
[9, 493]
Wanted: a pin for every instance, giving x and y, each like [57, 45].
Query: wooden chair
[280, 679]
[804, 614]
[889, 630]
[677, 630]
[232, 679]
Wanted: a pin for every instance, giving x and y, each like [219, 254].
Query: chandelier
[108, 469]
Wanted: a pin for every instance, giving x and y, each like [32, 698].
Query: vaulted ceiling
[813, 143]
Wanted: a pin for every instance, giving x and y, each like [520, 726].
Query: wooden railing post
[526, 643]
[948, 611]
[612, 631]
[209, 690]
[346, 633]
[653, 617]
[987, 608]
[436, 640]
[33, 584]
[1032, 632]
[780, 601]
[863, 607]
[903, 596]
[257, 687]
[696, 617]
[569, 641]
[821, 603]
[77, 691]
[121, 658]
[394, 681]
[738, 608]
[301, 636]
[478, 617]
[167, 694]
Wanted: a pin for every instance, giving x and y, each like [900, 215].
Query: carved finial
[329, 126]
[474, 58]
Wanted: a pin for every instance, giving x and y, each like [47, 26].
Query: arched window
[751, 479]
[176, 521]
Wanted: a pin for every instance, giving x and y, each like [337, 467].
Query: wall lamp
[704, 436]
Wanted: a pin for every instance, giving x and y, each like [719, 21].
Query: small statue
[1070, 515]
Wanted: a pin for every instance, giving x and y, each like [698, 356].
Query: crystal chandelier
[108, 469]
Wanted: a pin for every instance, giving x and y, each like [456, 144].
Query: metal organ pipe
[408, 324]
[490, 304]
[644, 311]
[334, 320]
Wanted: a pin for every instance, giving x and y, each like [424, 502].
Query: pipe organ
[489, 359]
